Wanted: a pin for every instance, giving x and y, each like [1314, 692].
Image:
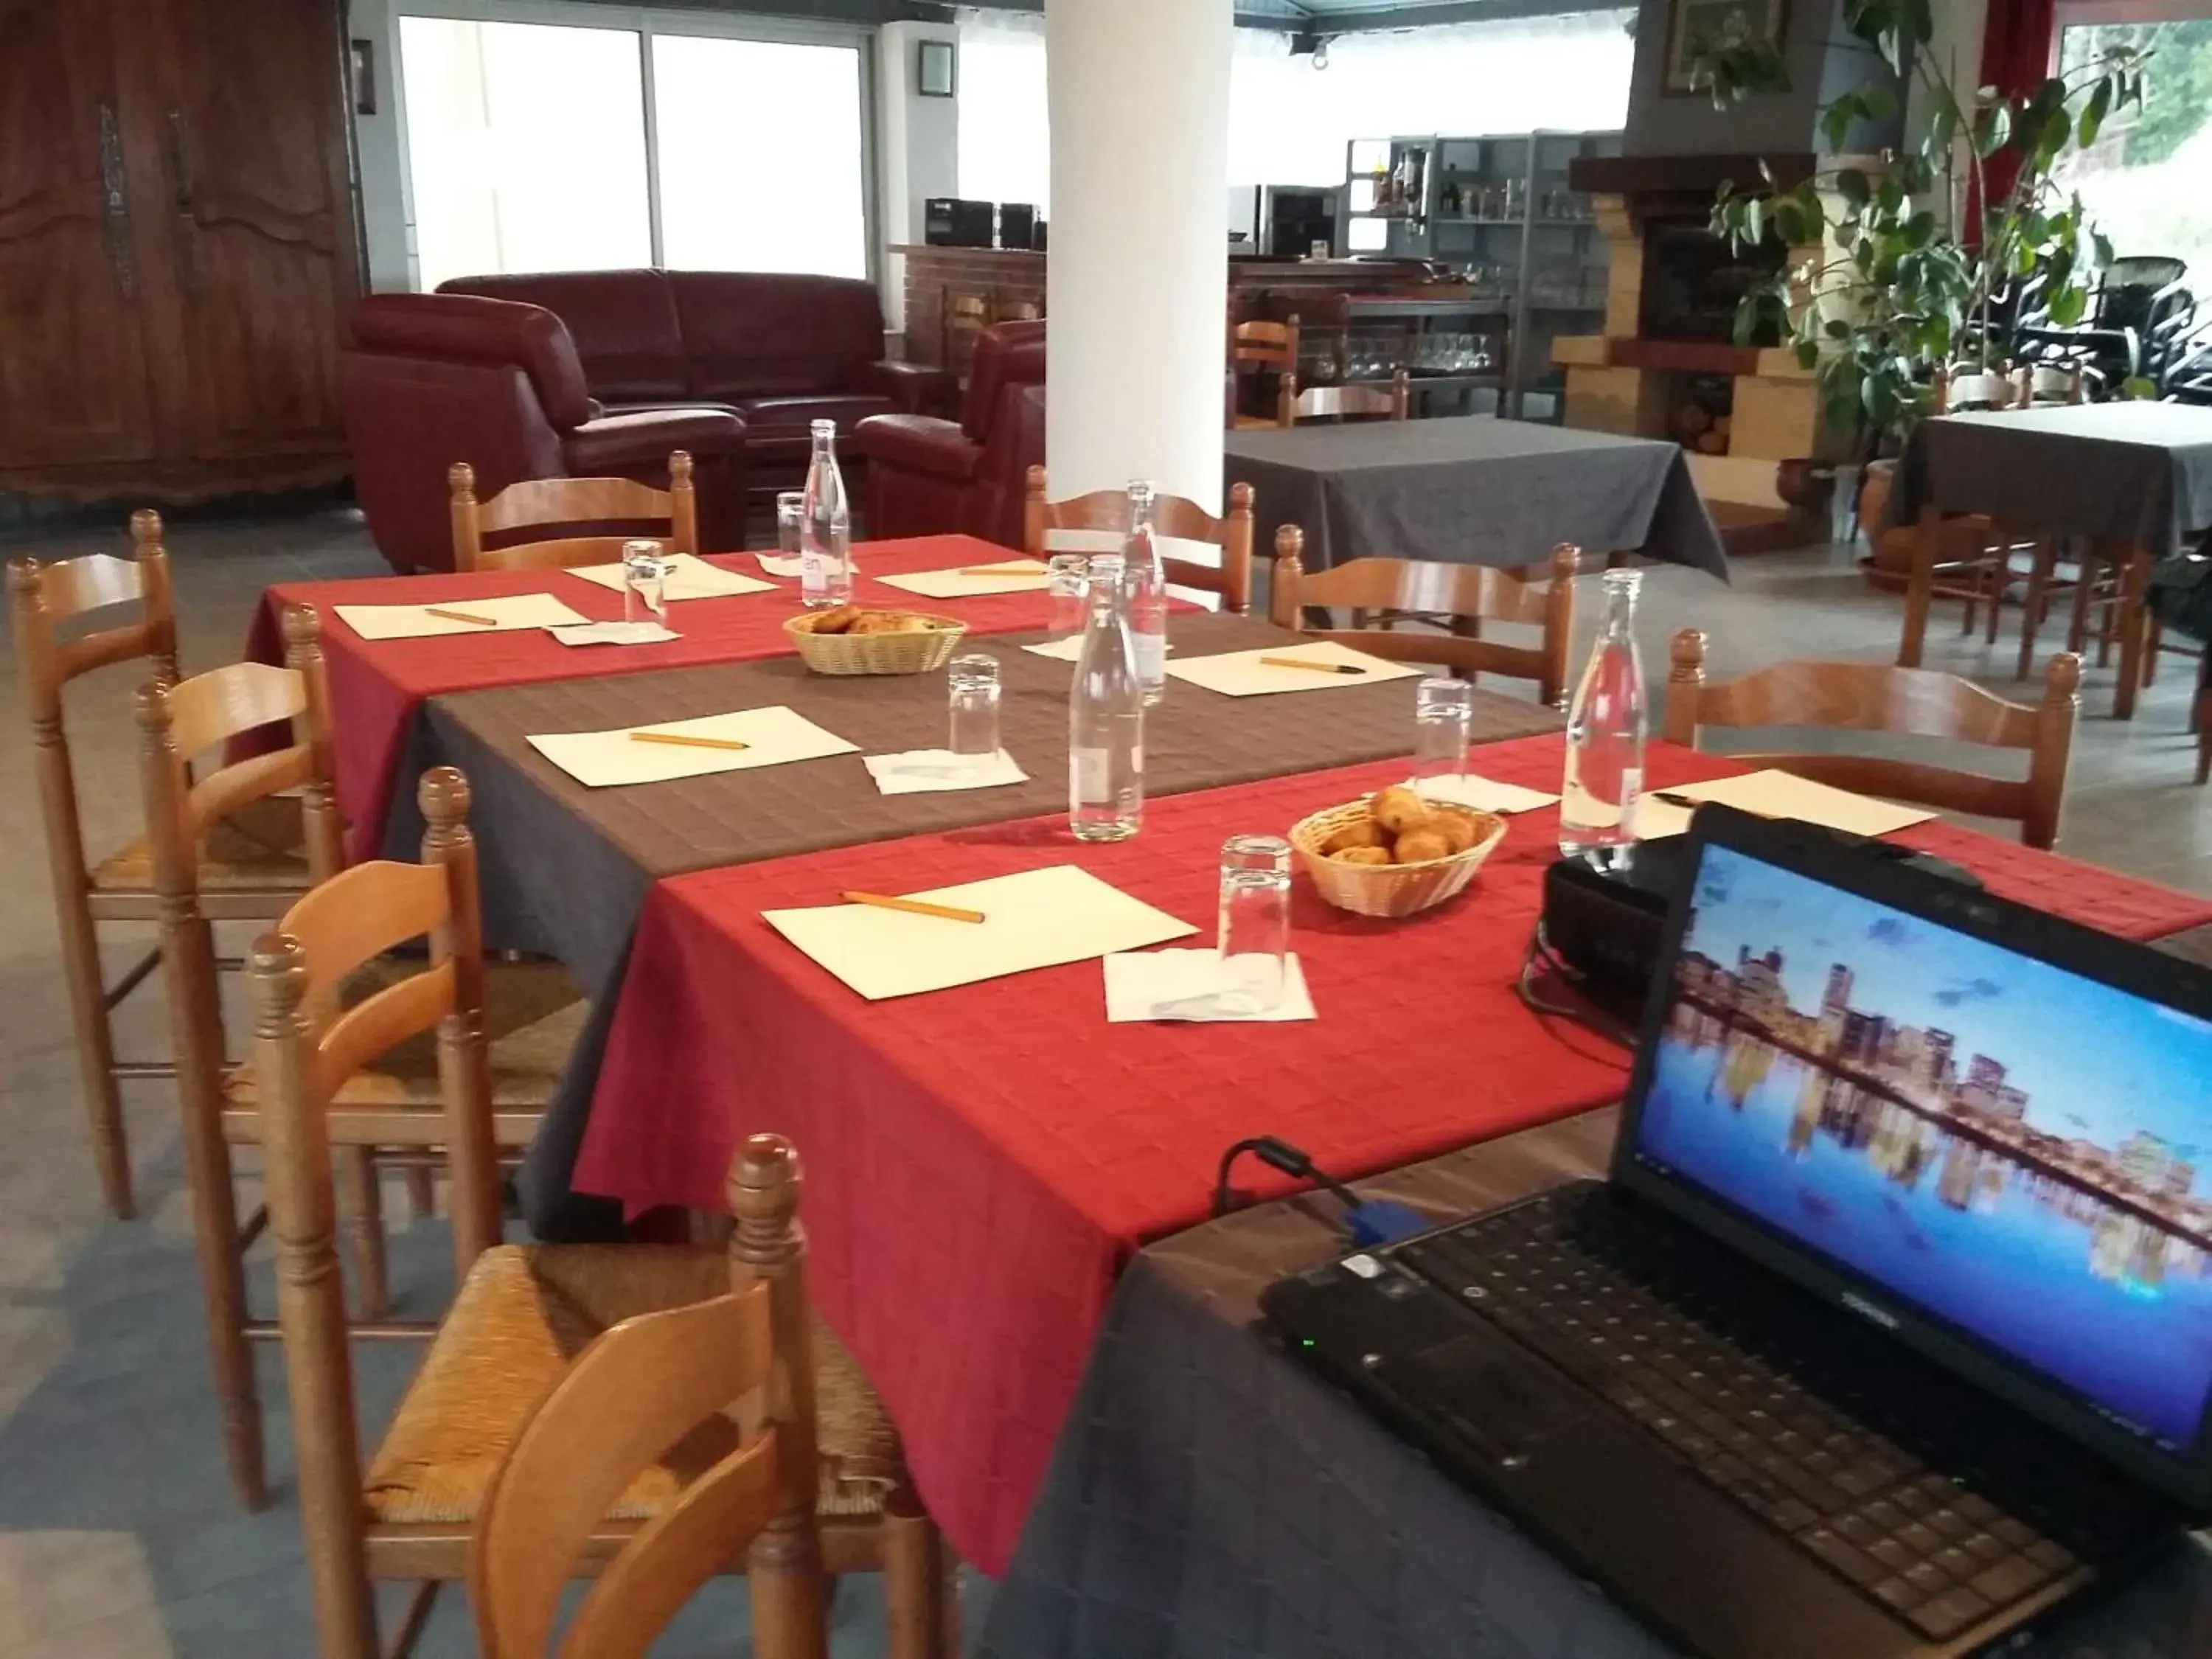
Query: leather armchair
[427, 380]
[781, 350]
[928, 476]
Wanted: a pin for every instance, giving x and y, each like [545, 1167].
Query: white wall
[376, 141]
[917, 149]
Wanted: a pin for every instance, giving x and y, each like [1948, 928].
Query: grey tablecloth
[565, 868]
[1474, 491]
[2136, 474]
[1210, 1499]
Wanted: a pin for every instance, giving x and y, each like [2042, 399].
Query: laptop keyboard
[1911, 1487]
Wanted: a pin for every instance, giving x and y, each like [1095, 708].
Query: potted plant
[1925, 261]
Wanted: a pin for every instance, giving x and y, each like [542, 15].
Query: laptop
[1890, 1330]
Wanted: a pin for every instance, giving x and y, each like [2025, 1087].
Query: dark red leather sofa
[927, 476]
[781, 351]
[427, 379]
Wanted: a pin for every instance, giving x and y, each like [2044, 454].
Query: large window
[1289, 121]
[550, 137]
[2144, 180]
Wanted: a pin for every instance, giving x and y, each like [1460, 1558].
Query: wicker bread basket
[1390, 890]
[877, 653]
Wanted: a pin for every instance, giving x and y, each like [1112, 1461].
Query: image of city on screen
[2016, 1149]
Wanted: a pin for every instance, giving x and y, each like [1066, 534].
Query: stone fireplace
[1666, 365]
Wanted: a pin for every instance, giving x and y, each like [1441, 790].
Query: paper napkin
[1186, 985]
[919, 771]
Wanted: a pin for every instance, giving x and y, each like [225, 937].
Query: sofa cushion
[618, 444]
[623, 323]
[756, 334]
[780, 415]
[469, 329]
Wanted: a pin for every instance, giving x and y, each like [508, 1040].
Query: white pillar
[1138, 275]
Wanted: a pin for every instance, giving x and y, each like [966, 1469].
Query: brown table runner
[565, 868]
[1211, 1499]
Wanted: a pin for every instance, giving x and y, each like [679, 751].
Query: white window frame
[646, 21]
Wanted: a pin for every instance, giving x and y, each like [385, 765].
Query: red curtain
[2018, 39]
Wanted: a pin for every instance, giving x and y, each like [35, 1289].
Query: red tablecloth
[376, 685]
[983, 1160]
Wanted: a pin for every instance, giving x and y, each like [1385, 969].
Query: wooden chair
[624, 1403]
[522, 1313]
[1172, 516]
[537, 1013]
[1467, 595]
[117, 889]
[966, 314]
[1911, 701]
[541, 503]
[1356, 401]
[1266, 348]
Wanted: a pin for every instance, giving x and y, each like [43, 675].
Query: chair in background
[1172, 516]
[547, 503]
[928, 476]
[967, 315]
[1269, 351]
[1356, 400]
[1463, 596]
[118, 889]
[521, 1313]
[622, 1406]
[1909, 701]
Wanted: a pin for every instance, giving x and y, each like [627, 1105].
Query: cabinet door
[73, 384]
[246, 102]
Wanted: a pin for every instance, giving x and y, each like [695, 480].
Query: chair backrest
[1470, 594]
[1173, 516]
[47, 596]
[178, 724]
[1274, 348]
[2049, 383]
[1907, 701]
[545, 503]
[635, 1391]
[1394, 402]
[1994, 388]
[1006, 355]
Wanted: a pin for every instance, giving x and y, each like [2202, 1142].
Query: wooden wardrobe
[177, 245]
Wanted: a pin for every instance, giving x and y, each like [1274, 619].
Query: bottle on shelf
[1605, 737]
[825, 547]
[1106, 717]
[1450, 202]
[1148, 578]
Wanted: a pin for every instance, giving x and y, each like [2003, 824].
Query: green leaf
[1807, 354]
[1920, 229]
[2067, 305]
[1745, 328]
[2095, 111]
[1837, 119]
[2139, 389]
[1837, 328]
[1852, 185]
[1992, 131]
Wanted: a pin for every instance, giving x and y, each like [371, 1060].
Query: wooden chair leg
[2091, 568]
[913, 1581]
[2000, 579]
[421, 1193]
[1920, 590]
[783, 1573]
[95, 1053]
[2153, 642]
[2032, 606]
[2135, 571]
[361, 1199]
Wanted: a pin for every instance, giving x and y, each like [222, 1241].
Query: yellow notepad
[774, 736]
[1774, 795]
[1242, 674]
[1036, 919]
[689, 578]
[417, 621]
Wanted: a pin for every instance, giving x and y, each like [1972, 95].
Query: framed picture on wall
[934, 68]
[1699, 28]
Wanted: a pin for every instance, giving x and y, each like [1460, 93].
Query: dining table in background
[984, 1161]
[1210, 1498]
[2132, 479]
[1473, 489]
[378, 687]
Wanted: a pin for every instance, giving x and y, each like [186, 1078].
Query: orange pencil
[915, 907]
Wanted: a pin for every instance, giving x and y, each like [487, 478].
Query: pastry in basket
[1400, 808]
[1366, 833]
[1422, 845]
[889, 622]
[1362, 855]
[837, 620]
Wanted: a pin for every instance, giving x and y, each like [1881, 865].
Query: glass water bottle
[1106, 717]
[1148, 595]
[825, 546]
[1605, 736]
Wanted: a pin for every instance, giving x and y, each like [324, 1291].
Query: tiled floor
[118, 1539]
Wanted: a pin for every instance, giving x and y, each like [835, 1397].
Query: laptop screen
[2021, 1152]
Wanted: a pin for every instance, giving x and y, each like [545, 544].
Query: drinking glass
[1255, 922]
[790, 523]
[1444, 726]
[972, 695]
[645, 580]
[1067, 594]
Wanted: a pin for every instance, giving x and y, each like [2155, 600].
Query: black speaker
[1017, 224]
[952, 222]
